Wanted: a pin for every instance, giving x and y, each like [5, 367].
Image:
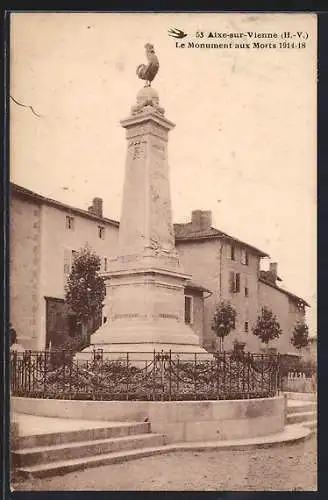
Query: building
[45, 234]
[230, 269]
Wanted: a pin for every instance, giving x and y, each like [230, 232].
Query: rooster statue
[148, 71]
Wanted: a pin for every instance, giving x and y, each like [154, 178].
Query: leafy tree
[224, 320]
[85, 290]
[300, 336]
[267, 327]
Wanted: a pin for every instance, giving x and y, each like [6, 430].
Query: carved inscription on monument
[137, 149]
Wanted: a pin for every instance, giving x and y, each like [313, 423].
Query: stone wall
[179, 420]
[24, 270]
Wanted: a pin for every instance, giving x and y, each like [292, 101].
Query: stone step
[301, 396]
[48, 439]
[291, 434]
[85, 449]
[312, 424]
[295, 418]
[65, 466]
[301, 406]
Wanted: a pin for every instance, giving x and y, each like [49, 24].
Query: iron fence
[156, 376]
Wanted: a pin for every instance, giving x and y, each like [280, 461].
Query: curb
[292, 433]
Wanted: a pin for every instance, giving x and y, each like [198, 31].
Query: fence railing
[156, 376]
[299, 382]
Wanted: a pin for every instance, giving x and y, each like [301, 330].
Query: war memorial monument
[145, 281]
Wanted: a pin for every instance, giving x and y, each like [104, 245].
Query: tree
[267, 327]
[300, 336]
[85, 289]
[224, 320]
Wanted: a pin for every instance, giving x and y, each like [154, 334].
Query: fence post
[278, 376]
[195, 380]
[224, 373]
[178, 368]
[154, 375]
[45, 366]
[262, 373]
[29, 370]
[170, 375]
[127, 376]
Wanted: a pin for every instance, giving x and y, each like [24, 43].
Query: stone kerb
[180, 421]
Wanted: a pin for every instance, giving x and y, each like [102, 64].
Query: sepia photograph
[162, 251]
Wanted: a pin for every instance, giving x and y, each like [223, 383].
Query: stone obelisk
[145, 282]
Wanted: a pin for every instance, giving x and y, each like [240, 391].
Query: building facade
[45, 235]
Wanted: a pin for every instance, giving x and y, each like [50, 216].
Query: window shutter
[237, 288]
[67, 261]
[231, 281]
[73, 257]
[188, 313]
[246, 287]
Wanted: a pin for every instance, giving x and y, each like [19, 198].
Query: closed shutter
[67, 261]
[231, 281]
[237, 287]
[188, 311]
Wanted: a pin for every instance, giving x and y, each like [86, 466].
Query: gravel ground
[289, 467]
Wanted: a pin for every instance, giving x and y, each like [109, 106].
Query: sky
[244, 145]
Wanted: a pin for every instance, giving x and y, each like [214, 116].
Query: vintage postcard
[163, 251]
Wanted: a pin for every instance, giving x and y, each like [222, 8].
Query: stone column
[145, 282]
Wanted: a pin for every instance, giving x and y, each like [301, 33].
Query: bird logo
[176, 33]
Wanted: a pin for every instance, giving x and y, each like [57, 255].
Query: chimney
[97, 207]
[201, 219]
[274, 270]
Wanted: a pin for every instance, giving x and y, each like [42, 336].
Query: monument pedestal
[145, 282]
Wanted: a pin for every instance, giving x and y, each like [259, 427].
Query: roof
[290, 295]
[194, 286]
[187, 232]
[38, 198]
[183, 232]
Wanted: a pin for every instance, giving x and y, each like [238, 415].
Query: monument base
[139, 353]
[141, 338]
[146, 309]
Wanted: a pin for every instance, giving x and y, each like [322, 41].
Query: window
[232, 253]
[69, 257]
[105, 263]
[246, 289]
[74, 254]
[234, 282]
[188, 309]
[237, 282]
[244, 257]
[67, 263]
[101, 232]
[69, 222]
[246, 327]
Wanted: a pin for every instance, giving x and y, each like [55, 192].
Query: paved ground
[291, 467]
